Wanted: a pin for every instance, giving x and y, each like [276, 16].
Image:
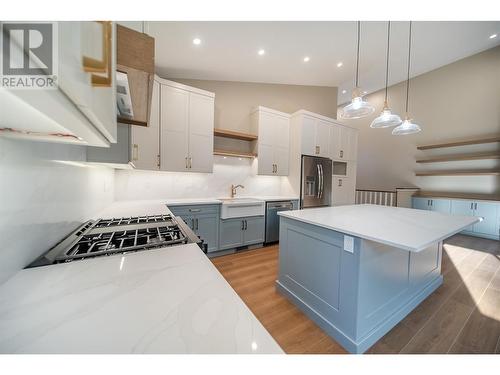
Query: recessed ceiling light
[339, 64]
[493, 36]
[344, 91]
[306, 59]
[261, 52]
[197, 41]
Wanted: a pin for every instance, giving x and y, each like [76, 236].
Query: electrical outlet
[349, 244]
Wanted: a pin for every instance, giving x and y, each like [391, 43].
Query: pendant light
[407, 127]
[358, 107]
[386, 118]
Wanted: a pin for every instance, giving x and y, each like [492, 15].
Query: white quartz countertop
[218, 200]
[168, 300]
[406, 228]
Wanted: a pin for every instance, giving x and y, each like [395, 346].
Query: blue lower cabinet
[203, 220]
[241, 232]
[421, 203]
[254, 230]
[231, 233]
[489, 214]
[441, 205]
[463, 208]
[207, 227]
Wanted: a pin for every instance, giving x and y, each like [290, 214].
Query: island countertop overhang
[405, 228]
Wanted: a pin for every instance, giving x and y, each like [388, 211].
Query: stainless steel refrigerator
[315, 182]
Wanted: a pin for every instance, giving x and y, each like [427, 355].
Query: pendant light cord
[408, 77]
[387, 59]
[357, 55]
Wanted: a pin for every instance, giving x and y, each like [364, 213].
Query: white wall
[44, 194]
[455, 102]
[163, 185]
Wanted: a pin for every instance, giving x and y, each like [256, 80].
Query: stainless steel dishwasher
[273, 220]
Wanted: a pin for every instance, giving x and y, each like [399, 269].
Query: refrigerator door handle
[322, 186]
[319, 180]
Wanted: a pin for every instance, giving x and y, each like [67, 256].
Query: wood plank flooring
[461, 316]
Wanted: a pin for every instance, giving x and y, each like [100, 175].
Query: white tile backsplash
[136, 184]
[46, 192]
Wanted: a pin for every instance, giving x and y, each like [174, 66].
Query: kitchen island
[359, 270]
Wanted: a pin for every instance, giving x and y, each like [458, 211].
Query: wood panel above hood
[136, 57]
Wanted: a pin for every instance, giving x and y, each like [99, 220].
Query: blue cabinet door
[254, 230]
[421, 203]
[488, 212]
[207, 227]
[441, 205]
[464, 208]
[230, 233]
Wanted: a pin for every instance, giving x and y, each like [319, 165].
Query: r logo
[27, 49]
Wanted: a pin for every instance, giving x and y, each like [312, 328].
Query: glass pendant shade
[386, 119]
[358, 107]
[407, 127]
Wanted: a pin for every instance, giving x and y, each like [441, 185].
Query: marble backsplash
[135, 184]
[46, 192]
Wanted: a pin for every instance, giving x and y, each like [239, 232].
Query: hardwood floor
[462, 316]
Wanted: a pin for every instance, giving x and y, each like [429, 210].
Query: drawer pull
[135, 152]
[194, 209]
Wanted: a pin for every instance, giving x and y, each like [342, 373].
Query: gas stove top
[106, 237]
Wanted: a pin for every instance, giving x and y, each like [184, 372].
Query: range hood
[135, 61]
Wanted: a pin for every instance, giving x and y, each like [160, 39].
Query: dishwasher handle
[280, 205]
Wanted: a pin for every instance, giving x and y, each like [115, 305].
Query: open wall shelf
[461, 143]
[234, 135]
[235, 154]
[464, 157]
[476, 172]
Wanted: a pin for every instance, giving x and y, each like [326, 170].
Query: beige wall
[457, 101]
[235, 100]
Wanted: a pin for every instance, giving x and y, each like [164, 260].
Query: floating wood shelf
[461, 143]
[483, 156]
[477, 172]
[235, 154]
[234, 135]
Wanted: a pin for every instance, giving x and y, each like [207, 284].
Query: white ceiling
[228, 50]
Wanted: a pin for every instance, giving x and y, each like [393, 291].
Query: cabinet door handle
[317, 150]
[475, 206]
[186, 162]
[276, 167]
[341, 153]
[197, 224]
[135, 152]
[472, 206]
[192, 223]
[101, 66]
[158, 164]
[432, 202]
[190, 163]
[242, 224]
[246, 225]
[340, 182]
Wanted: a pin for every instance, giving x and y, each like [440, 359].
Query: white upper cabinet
[273, 144]
[343, 143]
[186, 128]
[82, 109]
[201, 132]
[145, 140]
[314, 134]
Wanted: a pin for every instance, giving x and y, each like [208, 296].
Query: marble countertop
[201, 201]
[169, 300]
[406, 228]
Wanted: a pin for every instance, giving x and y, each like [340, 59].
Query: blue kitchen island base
[355, 289]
